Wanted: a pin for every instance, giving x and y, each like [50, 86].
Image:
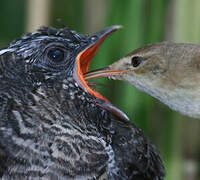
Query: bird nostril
[93, 38]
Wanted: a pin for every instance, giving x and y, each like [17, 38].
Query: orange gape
[84, 60]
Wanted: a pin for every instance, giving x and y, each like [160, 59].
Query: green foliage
[12, 19]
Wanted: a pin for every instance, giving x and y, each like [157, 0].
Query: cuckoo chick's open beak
[85, 57]
[83, 62]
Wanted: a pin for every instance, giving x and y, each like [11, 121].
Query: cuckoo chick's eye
[136, 61]
[56, 55]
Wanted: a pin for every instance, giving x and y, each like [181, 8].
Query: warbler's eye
[56, 55]
[136, 61]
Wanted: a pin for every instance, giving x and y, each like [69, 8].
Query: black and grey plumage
[54, 126]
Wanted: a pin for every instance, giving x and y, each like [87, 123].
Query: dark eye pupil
[56, 55]
[135, 61]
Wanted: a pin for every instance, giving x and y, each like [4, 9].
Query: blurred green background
[144, 22]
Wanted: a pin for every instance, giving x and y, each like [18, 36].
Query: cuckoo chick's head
[50, 53]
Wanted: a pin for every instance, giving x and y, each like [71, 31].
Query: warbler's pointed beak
[103, 72]
[85, 57]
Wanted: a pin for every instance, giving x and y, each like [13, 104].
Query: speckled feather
[50, 128]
